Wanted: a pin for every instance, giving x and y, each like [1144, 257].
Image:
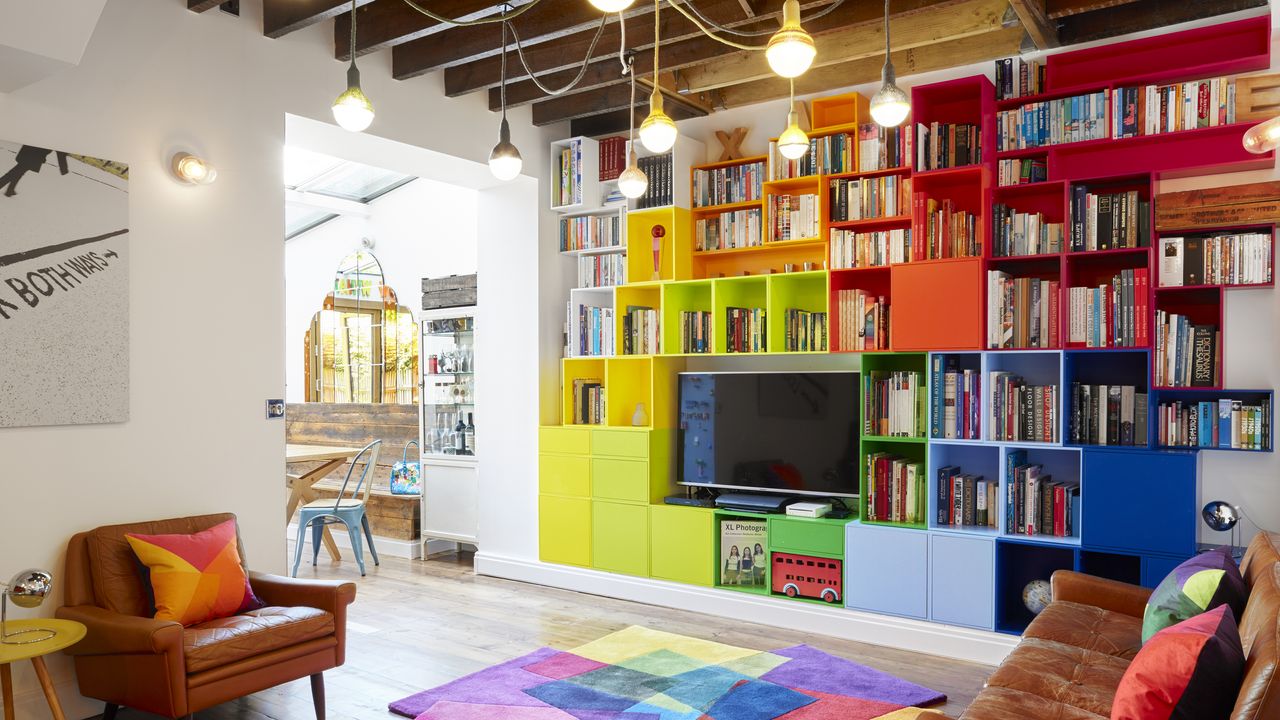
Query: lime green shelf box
[636, 296]
[567, 440]
[913, 453]
[632, 466]
[564, 474]
[740, 292]
[679, 298]
[620, 537]
[821, 537]
[675, 253]
[682, 544]
[794, 291]
[564, 530]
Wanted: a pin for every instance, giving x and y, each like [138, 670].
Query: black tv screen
[785, 432]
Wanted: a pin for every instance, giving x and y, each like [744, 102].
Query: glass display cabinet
[448, 425]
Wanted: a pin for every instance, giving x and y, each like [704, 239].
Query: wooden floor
[416, 625]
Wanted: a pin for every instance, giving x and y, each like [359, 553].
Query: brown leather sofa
[129, 659]
[1074, 653]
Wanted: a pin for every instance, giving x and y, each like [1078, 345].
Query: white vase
[640, 418]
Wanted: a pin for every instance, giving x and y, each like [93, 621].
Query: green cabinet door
[564, 530]
[620, 537]
[681, 544]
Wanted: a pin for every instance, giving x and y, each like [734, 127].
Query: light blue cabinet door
[961, 580]
[887, 570]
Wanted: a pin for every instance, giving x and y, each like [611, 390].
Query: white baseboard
[390, 547]
[915, 635]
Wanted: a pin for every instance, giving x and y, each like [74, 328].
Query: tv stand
[751, 502]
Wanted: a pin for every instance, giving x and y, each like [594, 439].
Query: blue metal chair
[347, 511]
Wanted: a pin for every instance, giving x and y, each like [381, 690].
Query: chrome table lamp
[1223, 517]
[27, 589]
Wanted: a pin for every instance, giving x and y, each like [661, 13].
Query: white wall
[423, 229]
[207, 297]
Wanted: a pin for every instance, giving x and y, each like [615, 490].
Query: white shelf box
[686, 153]
[582, 191]
[613, 210]
[580, 337]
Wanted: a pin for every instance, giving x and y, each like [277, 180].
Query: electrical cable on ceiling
[510, 15]
[586, 61]
[751, 33]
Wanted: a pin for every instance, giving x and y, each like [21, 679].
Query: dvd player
[750, 502]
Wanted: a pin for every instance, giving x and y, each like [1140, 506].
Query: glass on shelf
[448, 383]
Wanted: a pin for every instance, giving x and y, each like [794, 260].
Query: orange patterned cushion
[197, 577]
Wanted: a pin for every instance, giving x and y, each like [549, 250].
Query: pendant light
[890, 105]
[793, 143]
[658, 131]
[352, 110]
[611, 6]
[504, 160]
[632, 183]
[790, 51]
[1263, 137]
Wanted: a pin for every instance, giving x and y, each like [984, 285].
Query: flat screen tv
[784, 432]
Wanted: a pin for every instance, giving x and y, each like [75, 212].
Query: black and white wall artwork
[64, 288]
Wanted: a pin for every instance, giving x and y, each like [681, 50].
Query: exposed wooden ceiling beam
[281, 17]
[945, 21]
[616, 121]
[1043, 31]
[384, 23]
[203, 5]
[1064, 8]
[1145, 15]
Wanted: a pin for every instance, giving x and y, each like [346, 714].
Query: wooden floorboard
[417, 624]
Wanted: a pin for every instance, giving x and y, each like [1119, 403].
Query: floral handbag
[406, 476]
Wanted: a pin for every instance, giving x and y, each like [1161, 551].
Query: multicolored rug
[643, 674]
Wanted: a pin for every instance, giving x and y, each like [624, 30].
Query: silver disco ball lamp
[27, 589]
[1222, 517]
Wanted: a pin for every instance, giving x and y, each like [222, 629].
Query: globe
[1037, 595]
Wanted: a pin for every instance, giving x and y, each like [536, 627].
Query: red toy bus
[805, 576]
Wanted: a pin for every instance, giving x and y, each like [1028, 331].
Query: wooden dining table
[301, 491]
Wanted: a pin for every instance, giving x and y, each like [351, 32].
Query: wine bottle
[471, 434]
[460, 432]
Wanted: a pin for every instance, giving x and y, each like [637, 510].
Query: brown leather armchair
[130, 659]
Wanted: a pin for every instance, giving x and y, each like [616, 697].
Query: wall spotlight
[192, 170]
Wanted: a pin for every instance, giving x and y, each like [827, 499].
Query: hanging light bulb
[632, 183]
[890, 105]
[790, 51]
[504, 161]
[793, 143]
[1263, 137]
[658, 131]
[352, 110]
[611, 6]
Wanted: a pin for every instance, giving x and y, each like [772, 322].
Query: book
[1222, 423]
[1020, 412]
[1053, 122]
[946, 145]
[893, 403]
[864, 321]
[1019, 313]
[880, 248]
[895, 489]
[733, 184]
[743, 558]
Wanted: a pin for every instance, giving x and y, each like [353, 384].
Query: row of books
[878, 197]
[566, 186]
[949, 232]
[1224, 423]
[1107, 221]
[882, 148]
[744, 330]
[1015, 234]
[1021, 412]
[966, 500]
[602, 270]
[1053, 122]
[793, 217]
[806, 331]
[640, 331]
[1155, 109]
[1107, 415]
[895, 489]
[1036, 504]
[591, 232]
[957, 403]
[947, 145]
[733, 184]
[659, 170]
[1021, 171]
[893, 403]
[595, 331]
[851, 249]
[1017, 78]
[735, 229]
[1239, 259]
[1022, 312]
[588, 401]
[695, 331]
[864, 320]
[1113, 314]
[613, 157]
[1187, 354]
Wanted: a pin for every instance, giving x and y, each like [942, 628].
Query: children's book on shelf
[613, 157]
[1108, 415]
[1223, 423]
[658, 168]
[893, 403]
[793, 217]
[595, 331]
[695, 331]
[602, 270]
[1233, 259]
[1022, 312]
[806, 331]
[966, 500]
[1017, 233]
[1036, 504]
[1187, 354]
[744, 330]
[895, 489]
[850, 249]
[1155, 109]
[726, 185]
[1109, 221]
[1021, 412]
[1113, 314]
[567, 190]
[640, 331]
[728, 230]
[956, 400]
[947, 145]
[864, 320]
[1016, 77]
[1021, 171]
[590, 232]
[743, 559]
[882, 148]
[1053, 122]
[949, 232]
[868, 198]
[588, 401]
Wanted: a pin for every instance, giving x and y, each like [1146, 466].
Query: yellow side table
[66, 634]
